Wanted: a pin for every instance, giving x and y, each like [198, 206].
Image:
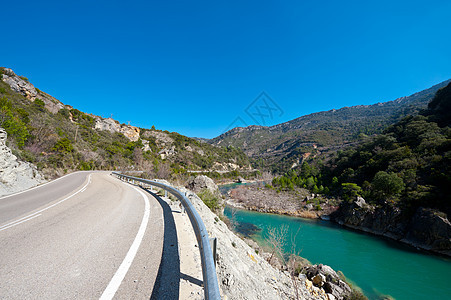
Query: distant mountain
[284, 145]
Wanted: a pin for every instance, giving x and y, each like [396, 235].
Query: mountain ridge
[290, 141]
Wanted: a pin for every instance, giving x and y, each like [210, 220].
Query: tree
[351, 191]
[387, 185]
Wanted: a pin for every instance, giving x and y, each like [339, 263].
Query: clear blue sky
[195, 66]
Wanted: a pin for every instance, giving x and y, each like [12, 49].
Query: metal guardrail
[210, 279]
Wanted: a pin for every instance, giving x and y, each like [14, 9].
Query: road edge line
[118, 277]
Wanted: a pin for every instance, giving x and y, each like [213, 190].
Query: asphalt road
[85, 236]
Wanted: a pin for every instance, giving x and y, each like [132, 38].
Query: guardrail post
[214, 245]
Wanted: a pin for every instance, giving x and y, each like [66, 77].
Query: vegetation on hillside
[67, 141]
[408, 165]
[278, 147]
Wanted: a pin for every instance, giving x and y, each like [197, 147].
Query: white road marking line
[38, 186]
[12, 225]
[116, 281]
[31, 216]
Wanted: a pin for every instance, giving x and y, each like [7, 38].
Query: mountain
[284, 145]
[58, 138]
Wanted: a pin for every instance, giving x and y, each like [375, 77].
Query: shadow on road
[167, 284]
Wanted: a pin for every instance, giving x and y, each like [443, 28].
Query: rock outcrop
[22, 86]
[427, 229]
[111, 125]
[108, 124]
[15, 175]
[19, 84]
[325, 277]
[131, 132]
[199, 183]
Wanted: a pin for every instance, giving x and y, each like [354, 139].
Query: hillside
[58, 138]
[280, 146]
[396, 183]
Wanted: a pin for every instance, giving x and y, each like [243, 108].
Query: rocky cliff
[427, 228]
[15, 175]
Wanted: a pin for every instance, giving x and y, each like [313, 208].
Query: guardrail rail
[210, 279]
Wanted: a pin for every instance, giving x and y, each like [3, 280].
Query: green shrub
[210, 199]
[64, 145]
[39, 104]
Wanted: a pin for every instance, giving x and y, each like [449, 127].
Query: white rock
[15, 175]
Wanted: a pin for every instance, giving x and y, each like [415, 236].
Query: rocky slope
[428, 228]
[15, 175]
[58, 138]
[21, 85]
[280, 146]
[243, 274]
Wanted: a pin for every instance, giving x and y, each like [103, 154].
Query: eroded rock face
[107, 124]
[432, 229]
[131, 132]
[15, 175]
[19, 85]
[427, 229]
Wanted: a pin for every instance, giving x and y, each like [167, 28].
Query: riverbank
[296, 203]
[379, 266]
[427, 229]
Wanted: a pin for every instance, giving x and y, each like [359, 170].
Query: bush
[64, 145]
[210, 199]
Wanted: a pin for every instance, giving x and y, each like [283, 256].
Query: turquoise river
[380, 267]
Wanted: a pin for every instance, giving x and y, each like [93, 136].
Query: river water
[380, 267]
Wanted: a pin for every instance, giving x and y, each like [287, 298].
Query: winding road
[86, 235]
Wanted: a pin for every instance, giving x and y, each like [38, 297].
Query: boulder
[319, 280]
[360, 202]
[200, 183]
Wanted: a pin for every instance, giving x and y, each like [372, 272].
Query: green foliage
[351, 191]
[39, 104]
[440, 106]
[387, 185]
[277, 148]
[408, 165]
[14, 122]
[210, 199]
[64, 145]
